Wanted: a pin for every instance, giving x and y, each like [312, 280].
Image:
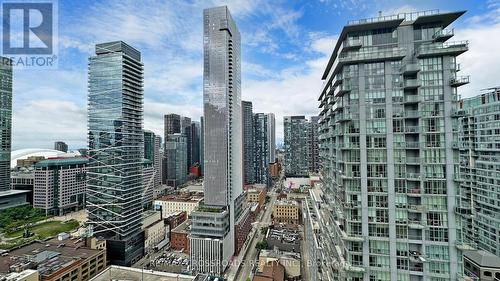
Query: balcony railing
[412, 99]
[443, 35]
[358, 57]
[410, 68]
[453, 48]
[351, 43]
[411, 84]
[459, 81]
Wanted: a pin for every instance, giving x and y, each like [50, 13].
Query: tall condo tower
[389, 164]
[8, 198]
[116, 150]
[212, 236]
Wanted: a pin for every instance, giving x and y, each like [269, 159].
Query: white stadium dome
[47, 153]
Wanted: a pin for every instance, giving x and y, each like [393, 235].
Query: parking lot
[170, 261]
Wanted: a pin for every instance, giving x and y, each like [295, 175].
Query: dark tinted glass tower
[248, 143]
[116, 150]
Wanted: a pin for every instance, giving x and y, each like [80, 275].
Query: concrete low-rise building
[481, 265]
[286, 211]
[256, 195]
[60, 185]
[56, 260]
[25, 275]
[283, 239]
[290, 262]
[155, 231]
[181, 202]
[179, 240]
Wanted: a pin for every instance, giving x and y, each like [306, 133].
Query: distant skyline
[285, 46]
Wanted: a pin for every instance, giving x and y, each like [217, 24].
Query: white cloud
[39, 123]
[480, 62]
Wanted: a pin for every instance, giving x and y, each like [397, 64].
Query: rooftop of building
[21, 154]
[391, 21]
[115, 272]
[284, 202]
[181, 197]
[483, 258]
[197, 187]
[284, 234]
[50, 255]
[54, 162]
[183, 227]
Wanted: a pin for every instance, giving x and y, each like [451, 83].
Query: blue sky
[285, 46]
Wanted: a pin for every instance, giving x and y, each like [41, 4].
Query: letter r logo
[27, 28]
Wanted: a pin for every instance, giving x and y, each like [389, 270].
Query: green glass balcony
[362, 57]
[410, 69]
[351, 44]
[412, 99]
[443, 35]
[411, 84]
[442, 49]
[459, 81]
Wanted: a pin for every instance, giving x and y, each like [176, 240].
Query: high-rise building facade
[8, 198]
[60, 146]
[195, 143]
[248, 143]
[176, 155]
[389, 167]
[172, 124]
[313, 144]
[479, 192]
[262, 154]
[116, 150]
[296, 135]
[223, 141]
[271, 136]
[202, 145]
[59, 185]
[186, 131]
[6, 122]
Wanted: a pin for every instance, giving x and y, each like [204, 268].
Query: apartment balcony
[458, 113]
[442, 49]
[410, 69]
[407, 145]
[344, 117]
[351, 44]
[416, 224]
[410, 84]
[342, 89]
[443, 35]
[459, 81]
[466, 245]
[412, 114]
[365, 57]
[414, 192]
[412, 129]
[337, 79]
[354, 268]
[352, 237]
[412, 99]
[416, 208]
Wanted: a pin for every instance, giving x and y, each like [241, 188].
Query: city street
[250, 258]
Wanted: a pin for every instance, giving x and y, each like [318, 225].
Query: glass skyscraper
[296, 136]
[388, 133]
[248, 143]
[8, 198]
[262, 155]
[116, 150]
[479, 193]
[210, 248]
[6, 122]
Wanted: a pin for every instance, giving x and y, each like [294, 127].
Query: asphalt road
[250, 257]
